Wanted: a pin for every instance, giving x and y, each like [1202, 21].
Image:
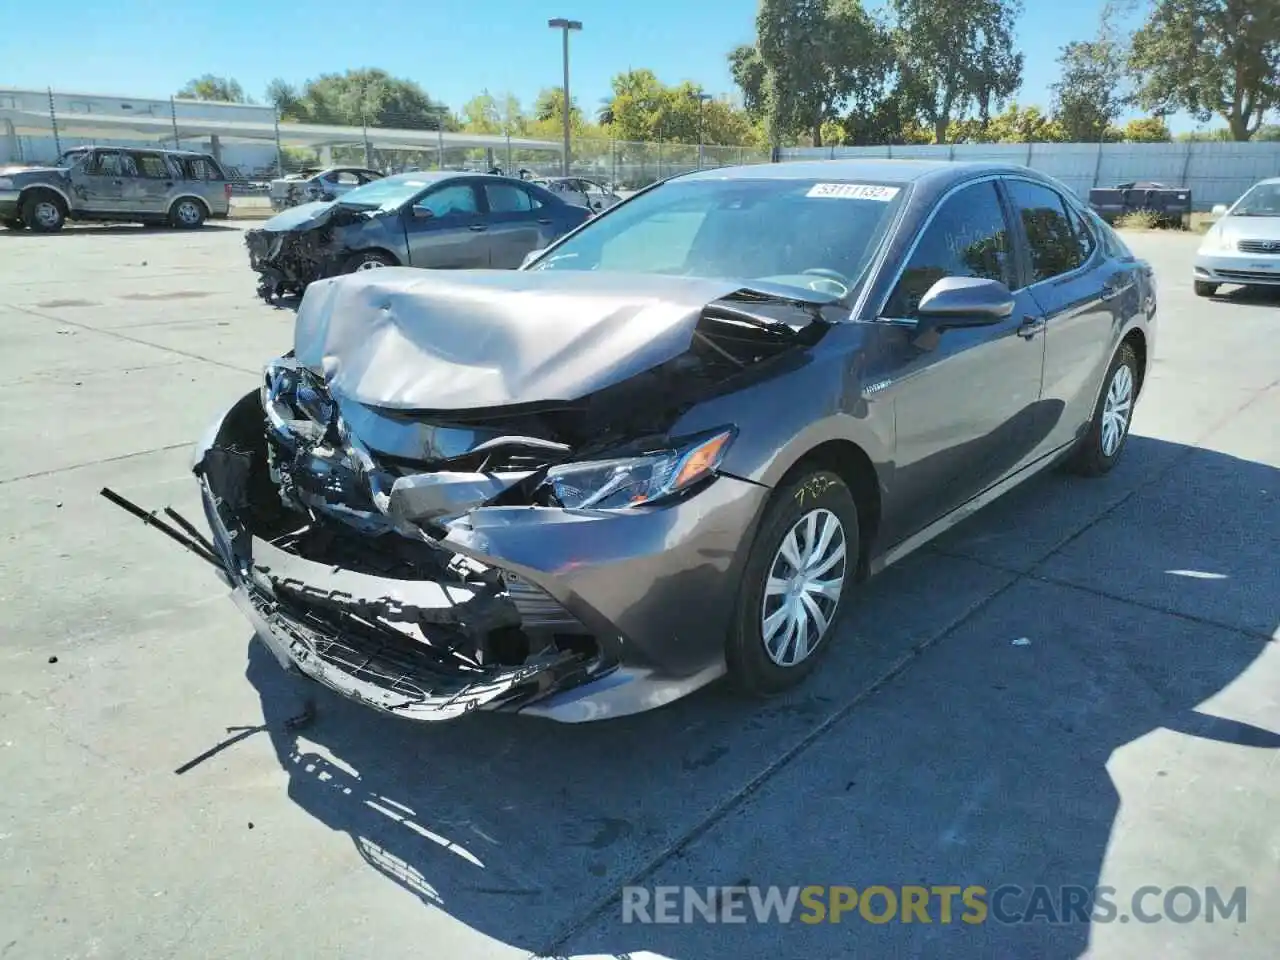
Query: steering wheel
[832, 276]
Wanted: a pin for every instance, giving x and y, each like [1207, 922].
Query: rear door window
[152, 166]
[1053, 245]
[968, 237]
[508, 198]
[199, 168]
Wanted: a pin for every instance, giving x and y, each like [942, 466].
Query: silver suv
[176, 187]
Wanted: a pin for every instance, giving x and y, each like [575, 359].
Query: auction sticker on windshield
[853, 191]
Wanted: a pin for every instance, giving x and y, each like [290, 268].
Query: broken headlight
[295, 401]
[631, 481]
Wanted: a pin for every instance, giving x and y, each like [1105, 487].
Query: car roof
[935, 173]
[116, 146]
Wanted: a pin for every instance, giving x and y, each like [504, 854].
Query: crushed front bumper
[653, 588]
[285, 261]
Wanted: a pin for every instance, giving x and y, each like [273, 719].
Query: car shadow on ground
[962, 766]
[1252, 296]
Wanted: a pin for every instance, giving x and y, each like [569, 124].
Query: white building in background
[36, 125]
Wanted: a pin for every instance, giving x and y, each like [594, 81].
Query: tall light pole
[565, 26]
[702, 98]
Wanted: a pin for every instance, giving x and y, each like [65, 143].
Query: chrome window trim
[1066, 202]
[880, 315]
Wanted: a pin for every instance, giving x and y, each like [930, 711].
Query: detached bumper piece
[365, 660]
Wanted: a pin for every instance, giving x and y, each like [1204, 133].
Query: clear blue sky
[453, 48]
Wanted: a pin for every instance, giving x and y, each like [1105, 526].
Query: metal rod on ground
[53, 122]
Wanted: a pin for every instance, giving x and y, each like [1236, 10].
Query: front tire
[801, 566]
[1100, 449]
[1205, 289]
[187, 214]
[44, 212]
[367, 260]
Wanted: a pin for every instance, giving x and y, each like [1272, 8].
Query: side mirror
[422, 213]
[1219, 210]
[965, 302]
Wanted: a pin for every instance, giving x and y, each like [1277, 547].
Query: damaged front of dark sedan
[429, 220]
[666, 449]
[439, 502]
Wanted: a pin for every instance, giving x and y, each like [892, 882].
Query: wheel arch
[32, 189]
[1138, 341]
[854, 466]
[208, 211]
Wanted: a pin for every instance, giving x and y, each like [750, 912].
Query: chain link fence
[256, 144]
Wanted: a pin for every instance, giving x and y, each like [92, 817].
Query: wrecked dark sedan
[432, 220]
[666, 449]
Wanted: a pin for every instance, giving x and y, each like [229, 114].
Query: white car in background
[581, 192]
[313, 184]
[1243, 246]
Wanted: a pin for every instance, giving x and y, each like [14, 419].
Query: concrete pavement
[157, 805]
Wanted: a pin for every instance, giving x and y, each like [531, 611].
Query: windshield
[1262, 200]
[387, 194]
[809, 234]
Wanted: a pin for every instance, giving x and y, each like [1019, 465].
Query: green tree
[1147, 130]
[209, 87]
[1091, 92]
[481, 114]
[1210, 57]
[550, 106]
[1023, 125]
[817, 57]
[955, 55]
[285, 97]
[751, 76]
[365, 96]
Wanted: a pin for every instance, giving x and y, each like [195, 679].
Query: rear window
[200, 168]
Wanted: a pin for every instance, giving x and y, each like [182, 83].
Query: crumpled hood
[300, 217]
[414, 339]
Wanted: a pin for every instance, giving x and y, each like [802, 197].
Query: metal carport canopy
[31, 122]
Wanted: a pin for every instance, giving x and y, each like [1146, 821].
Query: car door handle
[544, 219]
[478, 227]
[1031, 326]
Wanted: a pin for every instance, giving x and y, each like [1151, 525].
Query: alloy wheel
[1116, 409]
[370, 265]
[47, 213]
[803, 588]
[188, 213]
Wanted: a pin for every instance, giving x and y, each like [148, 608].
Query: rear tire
[187, 214]
[44, 212]
[1099, 450]
[368, 260]
[1205, 289]
[815, 520]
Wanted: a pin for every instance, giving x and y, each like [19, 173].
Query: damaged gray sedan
[666, 449]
